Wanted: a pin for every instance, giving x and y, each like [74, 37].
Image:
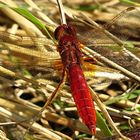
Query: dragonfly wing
[113, 49]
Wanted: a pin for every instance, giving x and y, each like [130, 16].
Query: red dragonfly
[69, 49]
[71, 54]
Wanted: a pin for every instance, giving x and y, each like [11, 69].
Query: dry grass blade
[39, 13]
[62, 14]
[3, 135]
[103, 109]
[28, 113]
[31, 69]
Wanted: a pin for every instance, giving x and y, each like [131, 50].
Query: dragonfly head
[63, 30]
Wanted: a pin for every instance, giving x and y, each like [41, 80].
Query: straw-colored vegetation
[31, 69]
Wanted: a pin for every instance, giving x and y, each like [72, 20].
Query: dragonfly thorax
[69, 50]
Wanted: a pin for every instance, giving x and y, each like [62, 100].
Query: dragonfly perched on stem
[69, 49]
[75, 60]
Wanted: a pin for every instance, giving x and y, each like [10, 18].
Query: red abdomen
[82, 96]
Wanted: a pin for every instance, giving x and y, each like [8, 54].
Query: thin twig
[62, 13]
[107, 116]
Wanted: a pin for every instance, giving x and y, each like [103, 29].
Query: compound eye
[57, 32]
[60, 31]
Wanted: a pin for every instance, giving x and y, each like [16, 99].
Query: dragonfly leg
[48, 102]
[54, 94]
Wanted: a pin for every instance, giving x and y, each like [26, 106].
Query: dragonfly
[69, 49]
[71, 59]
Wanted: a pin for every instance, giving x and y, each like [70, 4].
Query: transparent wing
[114, 40]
